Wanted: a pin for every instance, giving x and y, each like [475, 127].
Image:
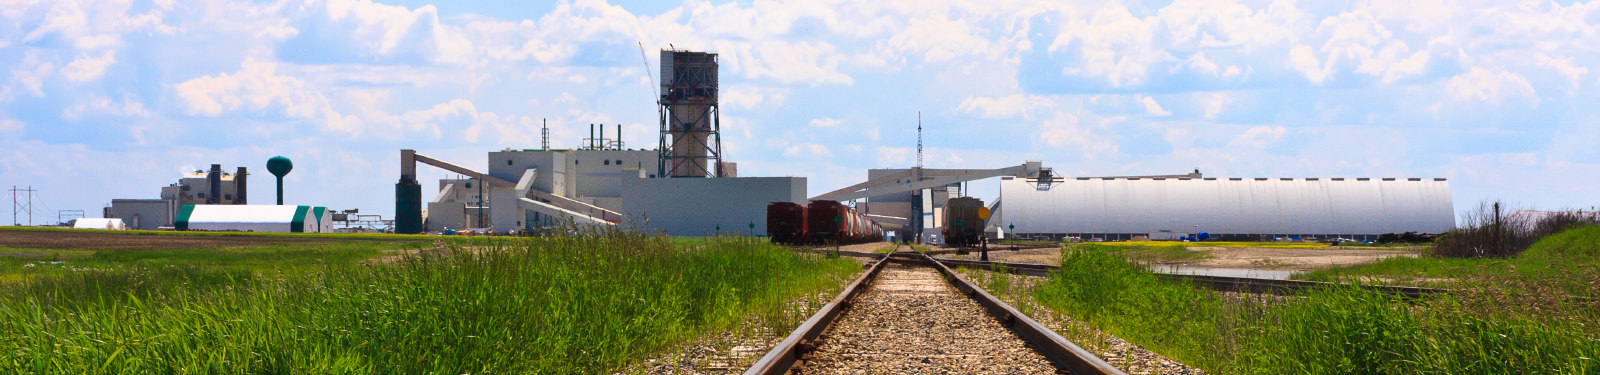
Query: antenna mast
[919, 145]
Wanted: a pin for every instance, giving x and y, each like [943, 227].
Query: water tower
[691, 138]
[279, 166]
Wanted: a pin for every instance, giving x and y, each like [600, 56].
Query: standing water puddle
[1226, 272]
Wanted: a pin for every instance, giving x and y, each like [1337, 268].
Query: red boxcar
[786, 222]
[833, 222]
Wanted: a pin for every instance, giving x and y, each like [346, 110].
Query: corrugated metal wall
[1228, 206]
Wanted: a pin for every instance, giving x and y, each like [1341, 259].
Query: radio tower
[919, 145]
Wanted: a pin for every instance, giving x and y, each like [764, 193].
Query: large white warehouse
[1226, 208]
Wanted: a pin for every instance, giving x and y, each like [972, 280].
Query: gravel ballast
[911, 321]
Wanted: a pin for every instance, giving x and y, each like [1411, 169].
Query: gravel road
[910, 321]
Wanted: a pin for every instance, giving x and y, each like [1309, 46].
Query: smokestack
[214, 178]
[239, 187]
[591, 136]
[619, 136]
[602, 137]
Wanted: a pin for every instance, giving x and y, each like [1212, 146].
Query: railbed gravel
[910, 321]
[1124, 355]
[732, 350]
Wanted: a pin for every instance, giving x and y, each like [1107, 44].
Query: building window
[619, 161]
[508, 162]
[608, 162]
[202, 195]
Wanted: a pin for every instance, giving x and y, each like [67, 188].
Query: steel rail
[1223, 283]
[782, 356]
[1064, 354]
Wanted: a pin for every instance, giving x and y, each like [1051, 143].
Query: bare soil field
[101, 240]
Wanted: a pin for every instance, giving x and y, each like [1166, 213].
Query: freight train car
[964, 220]
[831, 222]
[786, 222]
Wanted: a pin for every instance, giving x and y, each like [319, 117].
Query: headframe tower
[691, 134]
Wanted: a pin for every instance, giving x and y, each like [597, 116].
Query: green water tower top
[279, 166]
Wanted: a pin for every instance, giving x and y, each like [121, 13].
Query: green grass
[19, 264]
[1147, 252]
[584, 304]
[343, 236]
[1338, 331]
[1568, 261]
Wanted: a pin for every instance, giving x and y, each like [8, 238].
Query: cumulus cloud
[1259, 136]
[1489, 85]
[1004, 107]
[86, 68]
[751, 97]
[1153, 108]
[1565, 67]
[1065, 130]
[127, 108]
[10, 125]
[824, 122]
[257, 86]
[811, 150]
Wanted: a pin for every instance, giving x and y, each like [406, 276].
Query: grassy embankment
[340, 236]
[1566, 262]
[1341, 331]
[584, 304]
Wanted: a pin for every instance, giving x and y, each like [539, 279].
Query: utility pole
[17, 206]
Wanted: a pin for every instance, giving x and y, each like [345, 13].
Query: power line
[18, 207]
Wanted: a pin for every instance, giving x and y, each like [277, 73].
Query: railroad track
[911, 314]
[1223, 283]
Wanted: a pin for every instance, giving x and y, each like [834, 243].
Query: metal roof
[1227, 206]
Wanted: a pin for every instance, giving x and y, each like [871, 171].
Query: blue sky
[114, 99]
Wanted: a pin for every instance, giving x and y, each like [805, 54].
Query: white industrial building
[682, 187]
[1226, 208]
[255, 218]
[213, 187]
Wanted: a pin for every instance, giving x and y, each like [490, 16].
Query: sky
[115, 99]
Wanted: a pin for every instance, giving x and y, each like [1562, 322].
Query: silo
[690, 131]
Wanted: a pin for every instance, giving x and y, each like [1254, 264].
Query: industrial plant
[685, 187]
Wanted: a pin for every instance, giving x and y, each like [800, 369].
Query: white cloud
[10, 125]
[1259, 136]
[1004, 107]
[786, 62]
[31, 73]
[811, 150]
[1153, 108]
[127, 108]
[1066, 131]
[1490, 86]
[1112, 44]
[824, 122]
[895, 156]
[257, 86]
[752, 97]
[1212, 103]
[1565, 67]
[87, 68]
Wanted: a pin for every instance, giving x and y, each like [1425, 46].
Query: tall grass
[580, 304]
[1492, 230]
[1338, 331]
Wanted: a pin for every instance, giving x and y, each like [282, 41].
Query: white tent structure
[99, 223]
[254, 218]
[1226, 208]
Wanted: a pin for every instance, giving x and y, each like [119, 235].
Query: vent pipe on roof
[214, 179]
